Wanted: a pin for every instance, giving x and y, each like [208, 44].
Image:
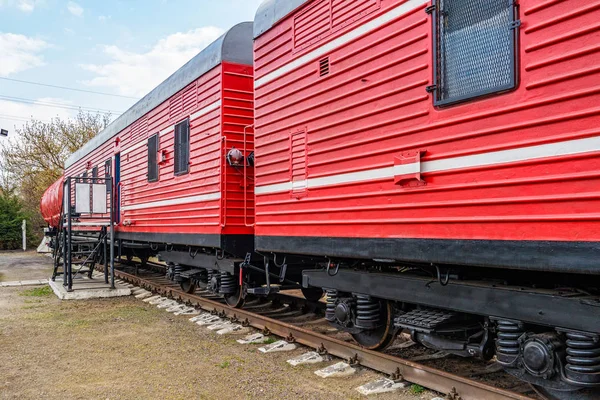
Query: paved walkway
[32, 282]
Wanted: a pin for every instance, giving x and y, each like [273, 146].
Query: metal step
[426, 320]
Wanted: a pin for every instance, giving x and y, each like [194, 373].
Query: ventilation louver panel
[298, 167]
[324, 66]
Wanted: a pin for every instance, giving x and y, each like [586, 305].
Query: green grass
[416, 389]
[43, 291]
[224, 364]
[270, 340]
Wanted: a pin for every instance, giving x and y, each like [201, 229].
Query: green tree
[34, 157]
[12, 214]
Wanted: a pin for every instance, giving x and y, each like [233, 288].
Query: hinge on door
[429, 10]
[431, 88]
[515, 24]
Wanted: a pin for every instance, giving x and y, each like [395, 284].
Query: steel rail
[431, 378]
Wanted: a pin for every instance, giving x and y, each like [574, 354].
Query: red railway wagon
[442, 158]
[178, 158]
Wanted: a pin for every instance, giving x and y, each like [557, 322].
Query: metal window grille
[475, 49]
[182, 147]
[107, 165]
[152, 158]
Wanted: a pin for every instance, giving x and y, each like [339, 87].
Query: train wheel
[235, 300]
[550, 394]
[380, 338]
[312, 293]
[187, 286]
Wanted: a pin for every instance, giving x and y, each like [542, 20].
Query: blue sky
[123, 47]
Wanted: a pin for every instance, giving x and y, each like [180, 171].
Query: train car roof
[270, 12]
[234, 46]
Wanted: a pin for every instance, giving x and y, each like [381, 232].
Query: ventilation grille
[311, 24]
[322, 17]
[344, 13]
[324, 66]
[298, 162]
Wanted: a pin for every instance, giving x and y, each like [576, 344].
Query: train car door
[118, 186]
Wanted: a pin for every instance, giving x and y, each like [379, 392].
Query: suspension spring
[332, 297]
[507, 344]
[228, 285]
[583, 357]
[367, 312]
[177, 270]
[214, 280]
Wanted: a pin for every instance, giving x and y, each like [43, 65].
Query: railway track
[277, 317]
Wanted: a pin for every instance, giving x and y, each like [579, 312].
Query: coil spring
[228, 285]
[507, 344]
[583, 353]
[213, 284]
[332, 296]
[367, 312]
[177, 270]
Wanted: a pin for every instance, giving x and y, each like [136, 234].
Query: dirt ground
[127, 349]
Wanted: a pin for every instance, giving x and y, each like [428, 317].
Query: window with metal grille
[152, 158]
[107, 168]
[182, 147]
[475, 48]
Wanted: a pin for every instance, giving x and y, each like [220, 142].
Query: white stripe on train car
[206, 110]
[174, 202]
[342, 40]
[94, 223]
[564, 148]
[196, 115]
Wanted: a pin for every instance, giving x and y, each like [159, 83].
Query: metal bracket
[453, 395]
[515, 24]
[431, 88]
[408, 169]
[282, 273]
[429, 10]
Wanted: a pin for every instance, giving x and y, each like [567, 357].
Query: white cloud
[23, 5]
[135, 74]
[104, 18]
[75, 9]
[69, 31]
[19, 53]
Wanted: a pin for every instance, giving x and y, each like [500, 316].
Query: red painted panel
[212, 198]
[372, 110]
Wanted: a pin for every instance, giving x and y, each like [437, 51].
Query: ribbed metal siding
[373, 108]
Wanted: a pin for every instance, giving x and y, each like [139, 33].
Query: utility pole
[24, 227]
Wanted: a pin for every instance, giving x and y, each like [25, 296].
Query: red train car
[178, 158]
[441, 158]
